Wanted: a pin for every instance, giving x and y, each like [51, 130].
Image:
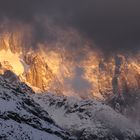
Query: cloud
[112, 25]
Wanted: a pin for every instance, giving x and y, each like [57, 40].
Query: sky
[113, 25]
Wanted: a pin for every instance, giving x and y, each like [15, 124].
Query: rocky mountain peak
[41, 69]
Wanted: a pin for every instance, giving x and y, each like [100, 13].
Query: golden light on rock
[54, 69]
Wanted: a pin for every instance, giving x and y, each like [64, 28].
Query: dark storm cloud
[112, 24]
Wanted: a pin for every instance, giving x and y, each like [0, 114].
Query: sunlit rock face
[30, 67]
[119, 75]
[38, 72]
[57, 69]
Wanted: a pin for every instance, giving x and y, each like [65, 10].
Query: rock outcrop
[38, 73]
[105, 77]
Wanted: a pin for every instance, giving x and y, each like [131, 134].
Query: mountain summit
[46, 68]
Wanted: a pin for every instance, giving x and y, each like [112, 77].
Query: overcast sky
[112, 24]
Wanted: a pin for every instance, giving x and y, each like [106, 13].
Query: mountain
[88, 119]
[28, 65]
[25, 114]
[49, 93]
[21, 118]
[61, 71]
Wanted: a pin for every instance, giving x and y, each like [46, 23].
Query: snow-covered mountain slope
[88, 119]
[21, 118]
[28, 116]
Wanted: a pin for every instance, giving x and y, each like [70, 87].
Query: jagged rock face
[30, 67]
[38, 74]
[116, 75]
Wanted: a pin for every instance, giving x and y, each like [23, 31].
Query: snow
[48, 116]
[21, 118]
[89, 115]
[15, 131]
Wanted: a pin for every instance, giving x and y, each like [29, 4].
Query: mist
[113, 26]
